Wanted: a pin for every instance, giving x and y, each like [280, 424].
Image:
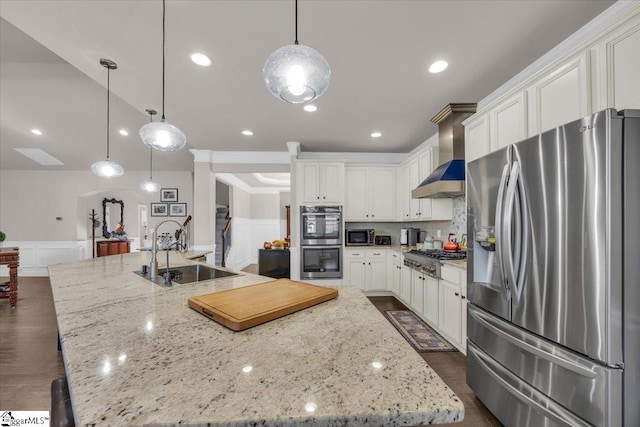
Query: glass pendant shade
[107, 169]
[163, 136]
[296, 73]
[150, 186]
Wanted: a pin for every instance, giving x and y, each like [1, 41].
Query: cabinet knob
[407, 215]
[372, 215]
[463, 297]
[369, 263]
[457, 294]
[323, 197]
[318, 197]
[367, 215]
[364, 263]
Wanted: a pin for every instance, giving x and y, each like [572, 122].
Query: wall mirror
[112, 216]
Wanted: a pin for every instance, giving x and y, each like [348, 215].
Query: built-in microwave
[360, 237]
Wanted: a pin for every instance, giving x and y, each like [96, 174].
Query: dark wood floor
[29, 359]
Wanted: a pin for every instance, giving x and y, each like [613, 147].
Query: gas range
[428, 262]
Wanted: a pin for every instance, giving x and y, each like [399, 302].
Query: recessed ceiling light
[201, 59]
[124, 132]
[438, 67]
[36, 131]
[247, 132]
[376, 135]
[310, 108]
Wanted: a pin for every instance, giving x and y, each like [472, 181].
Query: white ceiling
[379, 51]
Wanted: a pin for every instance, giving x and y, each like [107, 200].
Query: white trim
[294, 148]
[36, 256]
[232, 180]
[201, 156]
[611, 18]
[369, 158]
[251, 157]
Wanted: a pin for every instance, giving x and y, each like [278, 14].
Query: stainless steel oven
[321, 262]
[320, 225]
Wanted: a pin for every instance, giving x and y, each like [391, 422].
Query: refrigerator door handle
[524, 241]
[507, 230]
[498, 221]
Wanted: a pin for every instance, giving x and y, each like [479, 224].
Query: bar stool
[61, 410]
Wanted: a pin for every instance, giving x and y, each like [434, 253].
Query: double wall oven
[321, 242]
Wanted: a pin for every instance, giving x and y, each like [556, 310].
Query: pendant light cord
[108, 111]
[151, 150]
[163, 31]
[296, 22]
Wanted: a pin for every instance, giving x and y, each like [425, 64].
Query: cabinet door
[417, 292]
[426, 167]
[331, 183]
[414, 181]
[431, 300]
[623, 59]
[476, 138]
[310, 183]
[406, 193]
[450, 319]
[509, 122]
[377, 280]
[405, 285]
[356, 188]
[560, 97]
[394, 274]
[382, 183]
[355, 273]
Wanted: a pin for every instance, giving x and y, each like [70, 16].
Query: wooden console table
[11, 256]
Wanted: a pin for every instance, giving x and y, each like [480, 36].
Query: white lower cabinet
[366, 269]
[405, 285]
[441, 303]
[431, 301]
[417, 291]
[394, 271]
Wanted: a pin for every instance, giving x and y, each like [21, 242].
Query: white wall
[30, 202]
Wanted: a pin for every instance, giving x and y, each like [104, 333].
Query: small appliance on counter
[409, 236]
[383, 240]
[364, 237]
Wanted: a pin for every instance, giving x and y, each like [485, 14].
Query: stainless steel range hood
[447, 181]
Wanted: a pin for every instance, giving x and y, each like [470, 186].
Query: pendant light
[162, 135]
[149, 185]
[296, 73]
[107, 168]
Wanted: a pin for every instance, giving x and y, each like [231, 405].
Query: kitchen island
[135, 354]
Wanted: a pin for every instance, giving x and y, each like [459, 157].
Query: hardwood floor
[29, 358]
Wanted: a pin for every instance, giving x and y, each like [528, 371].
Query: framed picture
[159, 209]
[177, 209]
[169, 195]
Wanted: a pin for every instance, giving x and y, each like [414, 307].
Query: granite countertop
[135, 354]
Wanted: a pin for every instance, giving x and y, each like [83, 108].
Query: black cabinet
[274, 263]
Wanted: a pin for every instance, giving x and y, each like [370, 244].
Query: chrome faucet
[179, 240]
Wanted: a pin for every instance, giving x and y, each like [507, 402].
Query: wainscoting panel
[249, 235]
[36, 256]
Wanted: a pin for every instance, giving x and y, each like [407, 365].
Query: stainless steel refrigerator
[553, 275]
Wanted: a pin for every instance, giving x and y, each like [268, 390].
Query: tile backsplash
[459, 222]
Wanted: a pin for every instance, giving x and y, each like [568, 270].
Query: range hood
[447, 181]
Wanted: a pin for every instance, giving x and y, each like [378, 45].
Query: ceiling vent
[447, 181]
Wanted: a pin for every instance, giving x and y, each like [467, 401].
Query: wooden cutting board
[243, 308]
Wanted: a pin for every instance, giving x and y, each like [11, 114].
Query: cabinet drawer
[354, 253]
[395, 256]
[452, 274]
[376, 253]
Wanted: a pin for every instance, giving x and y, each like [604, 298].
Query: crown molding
[233, 181]
[582, 39]
[348, 158]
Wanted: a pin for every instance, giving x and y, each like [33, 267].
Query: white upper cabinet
[561, 96]
[370, 193]
[623, 59]
[476, 137]
[509, 121]
[322, 182]
[416, 170]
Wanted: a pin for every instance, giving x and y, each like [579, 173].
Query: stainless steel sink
[187, 274]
